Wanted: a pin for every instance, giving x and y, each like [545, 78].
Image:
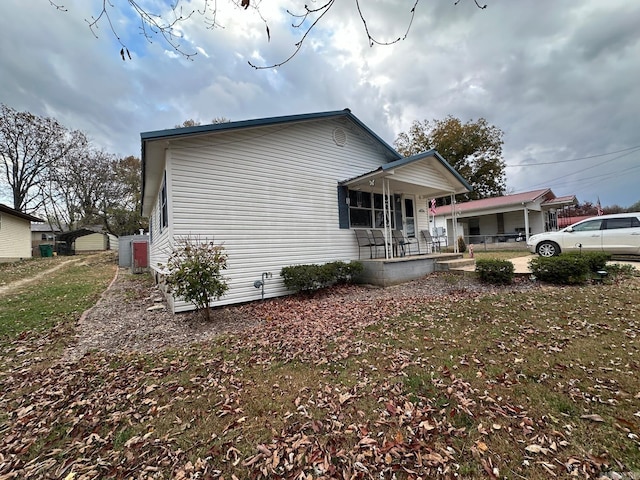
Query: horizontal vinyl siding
[270, 198]
[15, 237]
[423, 174]
[92, 242]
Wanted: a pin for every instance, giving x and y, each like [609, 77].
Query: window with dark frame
[366, 210]
[164, 221]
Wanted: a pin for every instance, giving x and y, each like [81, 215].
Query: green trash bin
[46, 250]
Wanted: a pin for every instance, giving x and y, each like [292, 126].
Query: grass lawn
[535, 384]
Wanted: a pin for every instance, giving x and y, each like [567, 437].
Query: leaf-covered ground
[440, 378]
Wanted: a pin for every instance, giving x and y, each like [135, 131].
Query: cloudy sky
[561, 78]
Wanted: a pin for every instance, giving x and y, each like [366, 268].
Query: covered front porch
[385, 272]
[394, 205]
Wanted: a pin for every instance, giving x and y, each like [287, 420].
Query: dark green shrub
[498, 272]
[596, 260]
[462, 246]
[301, 278]
[565, 269]
[341, 272]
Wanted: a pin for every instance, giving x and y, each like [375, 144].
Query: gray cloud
[559, 78]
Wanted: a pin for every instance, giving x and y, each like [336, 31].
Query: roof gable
[154, 143]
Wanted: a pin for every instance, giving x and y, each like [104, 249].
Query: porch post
[386, 213]
[526, 222]
[454, 219]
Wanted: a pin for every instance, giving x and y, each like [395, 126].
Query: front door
[409, 217]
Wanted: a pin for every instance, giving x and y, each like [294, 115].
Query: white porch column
[386, 213]
[526, 222]
[454, 219]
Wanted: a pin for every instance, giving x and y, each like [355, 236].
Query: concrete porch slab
[385, 272]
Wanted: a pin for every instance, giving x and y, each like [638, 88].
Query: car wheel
[548, 249]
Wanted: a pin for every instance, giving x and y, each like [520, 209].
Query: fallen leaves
[329, 386]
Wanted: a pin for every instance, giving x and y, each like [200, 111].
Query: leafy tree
[473, 149]
[92, 187]
[188, 123]
[635, 207]
[194, 123]
[30, 149]
[194, 272]
[124, 217]
[168, 24]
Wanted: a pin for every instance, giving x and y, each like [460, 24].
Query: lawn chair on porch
[432, 244]
[364, 240]
[378, 240]
[402, 243]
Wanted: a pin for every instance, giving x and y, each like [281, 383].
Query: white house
[501, 219]
[15, 234]
[282, 191]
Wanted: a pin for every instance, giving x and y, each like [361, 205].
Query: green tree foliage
[473, 149]
[194, 272]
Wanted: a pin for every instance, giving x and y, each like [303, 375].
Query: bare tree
[167, 25]
[30, 148]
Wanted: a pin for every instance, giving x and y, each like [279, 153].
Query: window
[625, 222]
[587, 226]
[43, 236]
[366, 210]
[162, 204]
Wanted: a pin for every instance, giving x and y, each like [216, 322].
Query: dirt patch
[122, 322]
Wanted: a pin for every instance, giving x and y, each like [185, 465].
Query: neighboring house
[86, 240]
[42, 234]
[282, 191]
[501, 219]
[15, 234]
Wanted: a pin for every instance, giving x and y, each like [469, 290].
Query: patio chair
[432, 244]
[364, 240]
[401, 242]
[378, 240]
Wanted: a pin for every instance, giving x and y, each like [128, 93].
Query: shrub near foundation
[305, 278]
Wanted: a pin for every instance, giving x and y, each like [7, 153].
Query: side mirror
[568, 229]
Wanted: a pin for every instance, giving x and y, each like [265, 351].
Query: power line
[636, 148]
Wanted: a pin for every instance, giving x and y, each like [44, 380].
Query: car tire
[548, 249]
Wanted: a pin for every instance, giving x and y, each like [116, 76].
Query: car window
[587, 226]
[625, 222]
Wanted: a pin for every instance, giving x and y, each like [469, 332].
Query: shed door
[140, 254]
[409, 217]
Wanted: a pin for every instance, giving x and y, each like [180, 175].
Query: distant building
[15, 234]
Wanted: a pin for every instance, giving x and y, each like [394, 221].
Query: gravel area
[132, 315]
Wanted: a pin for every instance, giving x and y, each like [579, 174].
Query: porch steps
[456, 265]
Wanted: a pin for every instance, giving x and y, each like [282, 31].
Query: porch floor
[392, 271]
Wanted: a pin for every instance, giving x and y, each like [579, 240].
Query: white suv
[615, 234]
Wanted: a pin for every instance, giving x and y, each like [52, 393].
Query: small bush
[305, 278]
[194, 272]
[462, 246]
[565, 269]
[497, 272]
[596, 260]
